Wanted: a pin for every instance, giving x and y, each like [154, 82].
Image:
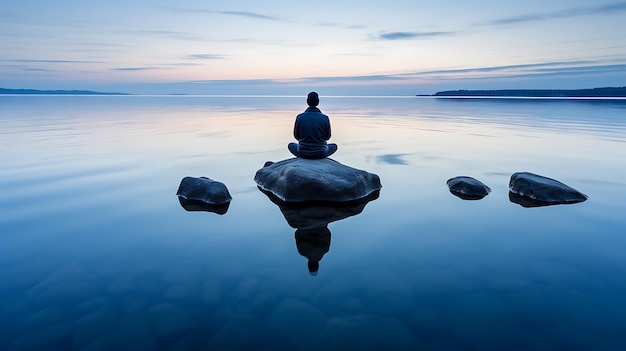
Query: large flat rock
[302, 180]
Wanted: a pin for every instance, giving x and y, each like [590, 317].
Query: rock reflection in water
[311, 221]
[197, 205]
[528, 202]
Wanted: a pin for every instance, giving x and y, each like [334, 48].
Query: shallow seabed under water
[97, 253]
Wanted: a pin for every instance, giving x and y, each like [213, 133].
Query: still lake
[97, 253]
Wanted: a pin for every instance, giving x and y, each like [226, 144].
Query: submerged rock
[282, 325]
[467, 188]
[168, 320]
[532, 190]
[203, 194]
[302, 180]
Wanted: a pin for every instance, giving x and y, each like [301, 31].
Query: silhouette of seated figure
[313, 243]
[312, 130]
[311, 219]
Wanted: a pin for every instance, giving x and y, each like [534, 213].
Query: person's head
[313, 99]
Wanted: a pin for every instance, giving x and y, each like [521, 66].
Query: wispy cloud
[248, 14]
[557, 68]
[37, 69]
[410, 35]
[584, 69]
[547, 69]
[165, 34]
[573, 12]
[509, 76]
[204, 57]
[341, 25]
[138, 68]
[47, 61]
[246, 82]
[181, 64]
[113, 45]
[528, 66]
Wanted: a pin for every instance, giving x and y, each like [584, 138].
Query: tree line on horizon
[53, 92]
[593, 92]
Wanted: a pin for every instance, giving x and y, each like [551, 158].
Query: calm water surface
[96, 252]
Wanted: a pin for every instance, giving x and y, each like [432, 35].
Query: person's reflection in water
[311, 219]
[313, 243]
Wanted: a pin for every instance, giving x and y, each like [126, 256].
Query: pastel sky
[391, 47]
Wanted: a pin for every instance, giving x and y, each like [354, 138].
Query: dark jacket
[312, 129]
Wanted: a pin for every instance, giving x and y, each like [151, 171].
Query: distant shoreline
[53, 92]
[606, 92]
[554, 93]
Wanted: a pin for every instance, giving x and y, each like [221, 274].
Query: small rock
[399, 298]
[212, 292]
[241, 332]
[467, 188]
[532, 190]
[122, 286]
[181, 293]
[229, 270]
[286, 323]
[69, 284]
[100, 344]
[47, 338]
[203, 189]
[390, 333]
[90, 327]
[133, 333]
[167, 320]
[47, 316]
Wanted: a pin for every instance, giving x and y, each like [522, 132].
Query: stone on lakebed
[467, 188]
[302, 180]
[531, 190]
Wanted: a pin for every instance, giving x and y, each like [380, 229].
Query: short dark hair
[312, 99]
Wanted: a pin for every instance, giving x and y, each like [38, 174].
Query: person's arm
[296, 130]
[328, 134]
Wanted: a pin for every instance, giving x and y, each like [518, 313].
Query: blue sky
[391, 47]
